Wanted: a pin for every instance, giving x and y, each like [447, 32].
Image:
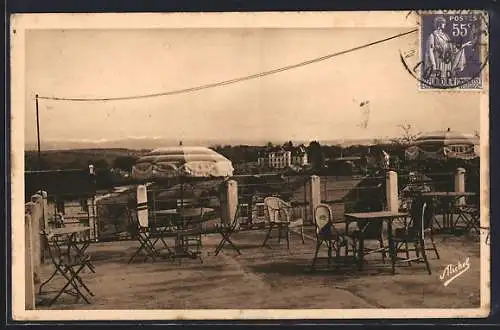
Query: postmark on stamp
[451, 51]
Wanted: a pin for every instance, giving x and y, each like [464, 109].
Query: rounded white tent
[443, 145]
[182, 161]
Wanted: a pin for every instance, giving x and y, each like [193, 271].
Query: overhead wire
[230, 81]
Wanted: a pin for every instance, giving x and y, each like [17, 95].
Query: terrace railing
[108, 216]
[72, 210]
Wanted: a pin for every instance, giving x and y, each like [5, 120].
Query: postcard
[239, 166]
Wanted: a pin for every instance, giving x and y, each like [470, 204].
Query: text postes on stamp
[451, 52]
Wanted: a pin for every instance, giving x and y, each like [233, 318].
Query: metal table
[364, 218]
[68, 235]
[448, 198]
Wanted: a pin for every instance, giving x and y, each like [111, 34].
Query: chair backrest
[143, 218]
[51, 247]
[133, 222]
[276, 209]
[419, 219]
[192, 217]
[423, 211]
[260, 210]
[142, 206]
[422, 224]
[323, 218]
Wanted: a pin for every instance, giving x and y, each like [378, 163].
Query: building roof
[447, 137]
[299, 151]
[296, 151]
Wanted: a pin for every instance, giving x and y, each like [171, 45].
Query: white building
[281, 158]
[299, 156]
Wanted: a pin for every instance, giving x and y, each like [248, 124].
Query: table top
[185, 212]
[447, 194]
[68, 230]
[376, 215]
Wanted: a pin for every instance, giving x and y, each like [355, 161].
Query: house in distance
[283, 157]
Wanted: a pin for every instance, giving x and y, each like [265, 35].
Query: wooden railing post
[391, 191]
[34, 211]
[29, 276]
[460, 184]
[229, 201]
[45, 220]
[314, 195]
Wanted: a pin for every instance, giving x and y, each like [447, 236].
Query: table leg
[361, 246]
[268, 234]
[361, 252]
[161, 237]
[221, 244]
[452, 222]
[47, 281]
[80, 251]
[70, 243]
[392, 253]
[449, 212]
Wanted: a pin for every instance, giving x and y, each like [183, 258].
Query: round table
[185, 212]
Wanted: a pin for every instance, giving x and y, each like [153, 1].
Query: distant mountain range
[152, 143]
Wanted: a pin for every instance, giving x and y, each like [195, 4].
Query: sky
[315, 102]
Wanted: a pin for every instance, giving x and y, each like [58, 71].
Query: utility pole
[38, 133]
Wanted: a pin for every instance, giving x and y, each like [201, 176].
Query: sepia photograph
[250, 165]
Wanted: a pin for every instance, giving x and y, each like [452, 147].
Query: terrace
[265, 277]
[268, 277]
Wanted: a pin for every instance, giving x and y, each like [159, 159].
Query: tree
[408, 135]
[315, 155]
[101, 163]
[331, 152]
[76, 164]
[124, 163]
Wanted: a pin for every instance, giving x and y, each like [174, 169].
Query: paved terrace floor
[270, 277]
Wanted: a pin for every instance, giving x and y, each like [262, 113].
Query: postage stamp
[451, 51]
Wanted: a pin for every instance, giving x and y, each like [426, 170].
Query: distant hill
[137, 143]
[78, 158]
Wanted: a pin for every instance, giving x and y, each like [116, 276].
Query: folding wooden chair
[227, 230]
[69, 268]
[140, 231]
[469, 215]
[278, 213]
[80, 249]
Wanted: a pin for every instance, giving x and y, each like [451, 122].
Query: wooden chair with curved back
[330, 236]
[413, 233]
[279, 216]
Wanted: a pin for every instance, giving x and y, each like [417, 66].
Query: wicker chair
[278, 213]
